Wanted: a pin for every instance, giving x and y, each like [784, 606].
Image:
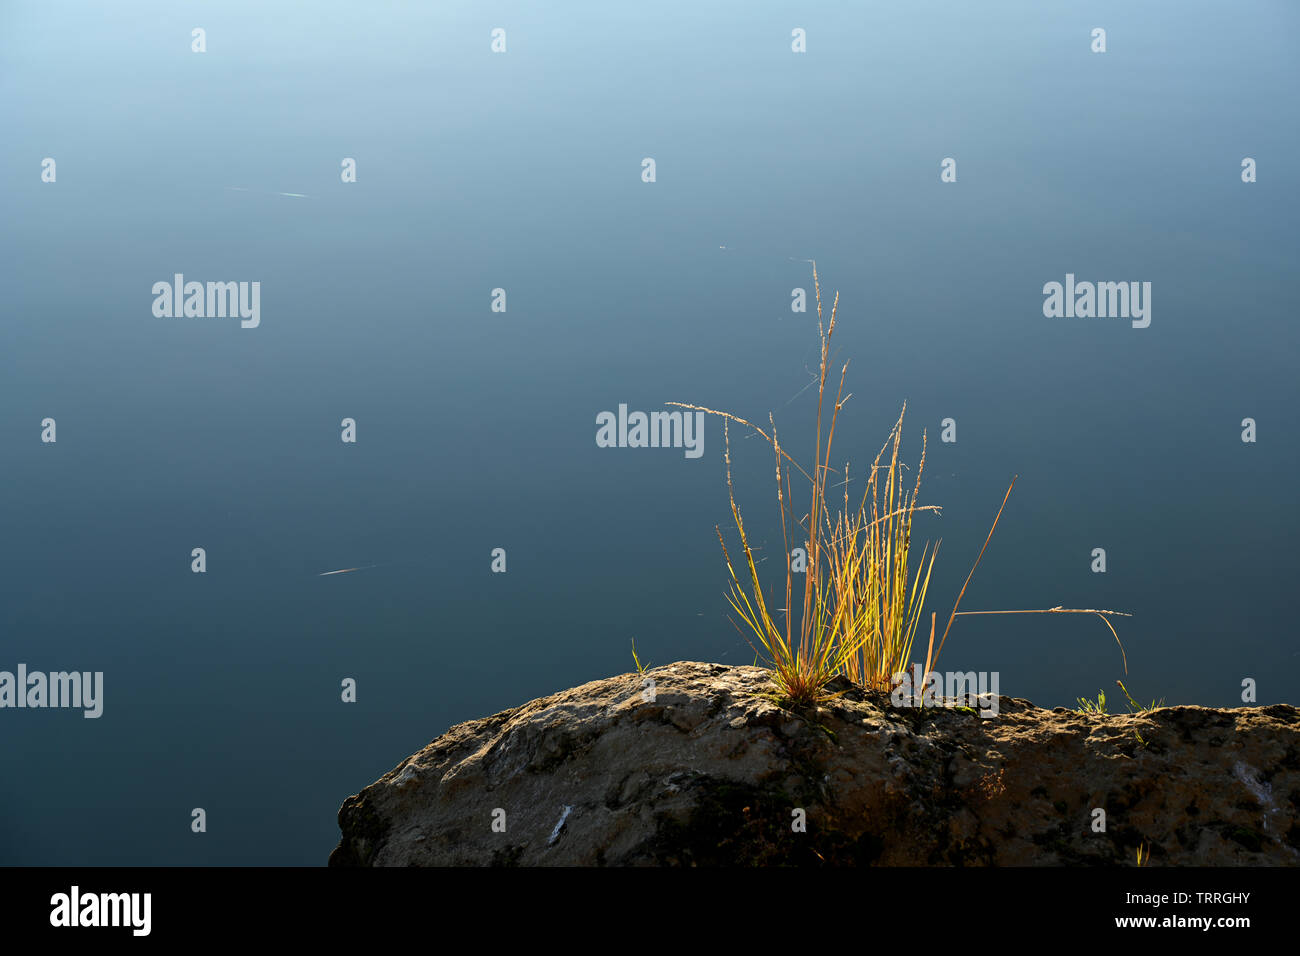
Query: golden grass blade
[952, 617]
[929, 654]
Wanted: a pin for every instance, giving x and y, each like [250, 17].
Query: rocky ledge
[710, 769]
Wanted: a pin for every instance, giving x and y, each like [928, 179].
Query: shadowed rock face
[712, 771]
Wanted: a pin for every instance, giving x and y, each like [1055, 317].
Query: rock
[713, 771]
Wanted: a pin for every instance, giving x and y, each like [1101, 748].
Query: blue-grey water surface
[476, 428]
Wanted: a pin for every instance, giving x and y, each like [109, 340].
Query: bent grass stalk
[859, 614]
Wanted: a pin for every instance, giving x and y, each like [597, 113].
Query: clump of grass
[1098, 706]
[858, 614]
[1094, 708]
[860, 603]
[807, 654]
[870, 552]
[1143, 855]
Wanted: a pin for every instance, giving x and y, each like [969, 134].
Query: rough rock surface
[712, 771]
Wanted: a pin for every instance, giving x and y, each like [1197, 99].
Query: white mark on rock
[555, 834]
[407, 776]
[1262, 792]
[1250, 777]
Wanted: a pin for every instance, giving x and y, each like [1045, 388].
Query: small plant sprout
[1134, 706]
[1094, 707]
[640, 668]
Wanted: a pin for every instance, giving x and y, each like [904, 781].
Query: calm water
[476, 429]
